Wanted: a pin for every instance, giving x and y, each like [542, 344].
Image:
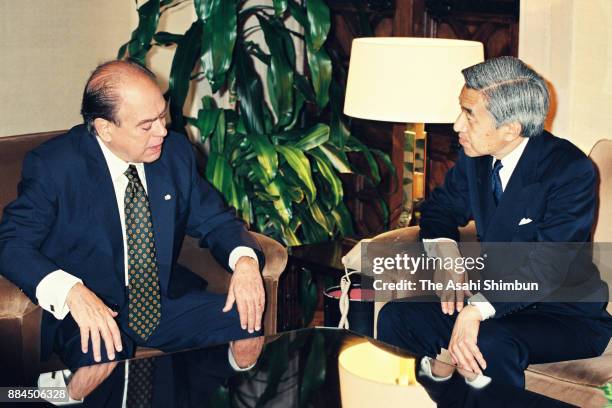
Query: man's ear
[511, 130]
[103, 129]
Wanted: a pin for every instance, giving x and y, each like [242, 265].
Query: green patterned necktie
[144, 295]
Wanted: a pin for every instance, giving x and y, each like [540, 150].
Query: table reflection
[294, 369]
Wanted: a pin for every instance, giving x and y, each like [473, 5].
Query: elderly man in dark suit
[95, 232]
[520, 184]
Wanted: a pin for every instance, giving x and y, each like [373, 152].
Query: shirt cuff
[238, 253]
[426, 371]
[485, 308]
[233, 363]
[52, 291]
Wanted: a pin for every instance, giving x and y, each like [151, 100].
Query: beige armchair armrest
[201, 262]
[19, 333]
[411, 234]
[276, 261]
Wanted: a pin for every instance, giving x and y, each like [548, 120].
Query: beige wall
[570, 43]
[48, 49]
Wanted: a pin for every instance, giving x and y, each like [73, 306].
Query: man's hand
[451, 299]
[463, 343]
[247, 351]
[86, 379]
[246, 289]
[95, 320]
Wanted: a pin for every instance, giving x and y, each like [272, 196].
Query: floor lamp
[413, 81]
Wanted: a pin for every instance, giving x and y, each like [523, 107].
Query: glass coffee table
[315, 367]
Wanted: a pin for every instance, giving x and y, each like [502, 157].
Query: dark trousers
[193, 320]
[509, 344]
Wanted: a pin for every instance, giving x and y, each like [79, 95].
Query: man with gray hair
[520, 184]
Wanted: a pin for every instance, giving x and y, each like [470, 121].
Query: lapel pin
[167, 197]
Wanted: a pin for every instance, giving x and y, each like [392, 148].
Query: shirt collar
[116, 166]
[511, 160]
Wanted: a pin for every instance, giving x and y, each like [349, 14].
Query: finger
[116, 334]
[258, 316]
[478, 356]
[230, 300]
[107, 338]
[460, 298]
[242, 312]
[95, 344]
[84, 339]
[457, 353]
[448, 307]
[251, 306]
[469, 358]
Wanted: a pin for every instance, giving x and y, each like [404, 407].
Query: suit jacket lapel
[102, 194]
[505, 218]
[162, 200]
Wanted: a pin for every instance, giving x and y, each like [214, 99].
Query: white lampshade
[408, 80]
[371, 377]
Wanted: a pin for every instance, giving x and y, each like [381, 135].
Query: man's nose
[459, 125]
[161, 130]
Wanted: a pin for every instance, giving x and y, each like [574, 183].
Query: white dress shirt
[509, 163]
[53, 289]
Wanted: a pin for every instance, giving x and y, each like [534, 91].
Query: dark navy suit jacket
[66, 217]
[553, 185]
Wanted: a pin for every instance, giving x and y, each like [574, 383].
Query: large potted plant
[274, 161]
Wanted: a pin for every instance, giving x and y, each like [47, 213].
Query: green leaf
[122, 50]
[298, 104]
[336, 157]
[317, 135]
[319, 217]
[343, 220]
[217, 142]
[218, 40]
[304, 87]
[187, 53]
[250, 91]
[219, 173]
[384, 157]
[307, 295]
[355, 145]
[297, 12]
[207, 118]
[339, 133]
[245, 208]
[329, 176]
[320, 67]
[315, 370]
[280, 73]
[140, 43]
[279, 7]
[266, 155]
[298, 161]
[291, 239]
[311, 231]
[319, 23]
[283, 205]
[165, 38]
[205, 8]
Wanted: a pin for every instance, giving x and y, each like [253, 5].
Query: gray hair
[513, 92]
